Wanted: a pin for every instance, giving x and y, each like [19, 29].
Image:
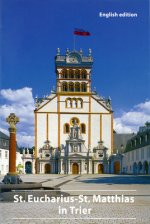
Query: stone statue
[75, 148]
[75, 132]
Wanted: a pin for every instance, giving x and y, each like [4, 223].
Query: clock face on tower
[73, 58]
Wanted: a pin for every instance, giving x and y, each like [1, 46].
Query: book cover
[74, 111]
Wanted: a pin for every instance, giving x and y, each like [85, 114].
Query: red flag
[81, 32]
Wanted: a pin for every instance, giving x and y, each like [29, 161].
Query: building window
[77, 74]
[83, 87]
[74, 103]
[71, 87]
[6, 154]
[129, 156]
[84, 74]
[4, 143]
[64, 87]
[142, 153]
[83, 128]
[148, 152]
[66, 128]
[137, 154]
[80, 103]
[135, 142]
[68, 103]
[132, 155]
[146, 138]
[77, 87]
[64, 73]
[71, 73]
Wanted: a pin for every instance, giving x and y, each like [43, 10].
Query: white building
[4, 154]
[136, 159]
[73, 108]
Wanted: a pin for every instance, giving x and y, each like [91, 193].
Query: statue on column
[12, 175]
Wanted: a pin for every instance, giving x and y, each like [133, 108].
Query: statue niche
[75, 130]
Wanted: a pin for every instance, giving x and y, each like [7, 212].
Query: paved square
[137, 187]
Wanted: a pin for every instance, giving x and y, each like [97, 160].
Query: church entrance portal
[100, 168]
[28, 167]
[47, 168]
[117, 167]
[75, 168]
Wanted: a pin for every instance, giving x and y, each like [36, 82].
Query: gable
[75, 155]
[50, 106]
[98, 107]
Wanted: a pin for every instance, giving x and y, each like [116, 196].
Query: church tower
[73, 72]
[73, 102]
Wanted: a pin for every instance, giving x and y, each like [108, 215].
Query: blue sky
[33, 29]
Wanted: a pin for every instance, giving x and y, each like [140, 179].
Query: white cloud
[130, 121]
[21, 103]
[144, 106]
[21, 96]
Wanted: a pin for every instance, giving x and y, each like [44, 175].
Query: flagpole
[74, 41]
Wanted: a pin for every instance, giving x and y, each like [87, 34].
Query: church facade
[73, 125]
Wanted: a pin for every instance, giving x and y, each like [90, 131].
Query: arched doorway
[100, 169]
[145, 167]
[139, 167]
[28, 167]
[75, 168]
[116, 167]
[135, 168]
[47, 168]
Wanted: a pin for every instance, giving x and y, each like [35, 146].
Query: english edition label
[108, 15]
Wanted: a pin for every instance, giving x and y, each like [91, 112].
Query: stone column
[68, 166]
[61, 166]
[12, 120]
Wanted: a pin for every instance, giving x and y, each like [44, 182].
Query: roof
[73, 58]
[120, 141]
[3, 136]
[4, 142]
[106, 103]
[141, 139]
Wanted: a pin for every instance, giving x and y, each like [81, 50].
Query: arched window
[74, 120]
[74, 103]
[80, 103]
[64, 74]
[71, 74]
[77, 74]
[83, 87]
[77, 87]
[83, 128]
[64, 87]
[66, 128]
[84, 74]
[68, 103]
[71, 87]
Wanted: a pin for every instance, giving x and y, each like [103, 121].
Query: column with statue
[12, 176]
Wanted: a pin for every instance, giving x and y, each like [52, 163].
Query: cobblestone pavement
[89, 185]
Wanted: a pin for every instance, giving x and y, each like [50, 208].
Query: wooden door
[117, 167]
[75, 168]
[47, 168]
[100, 168]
